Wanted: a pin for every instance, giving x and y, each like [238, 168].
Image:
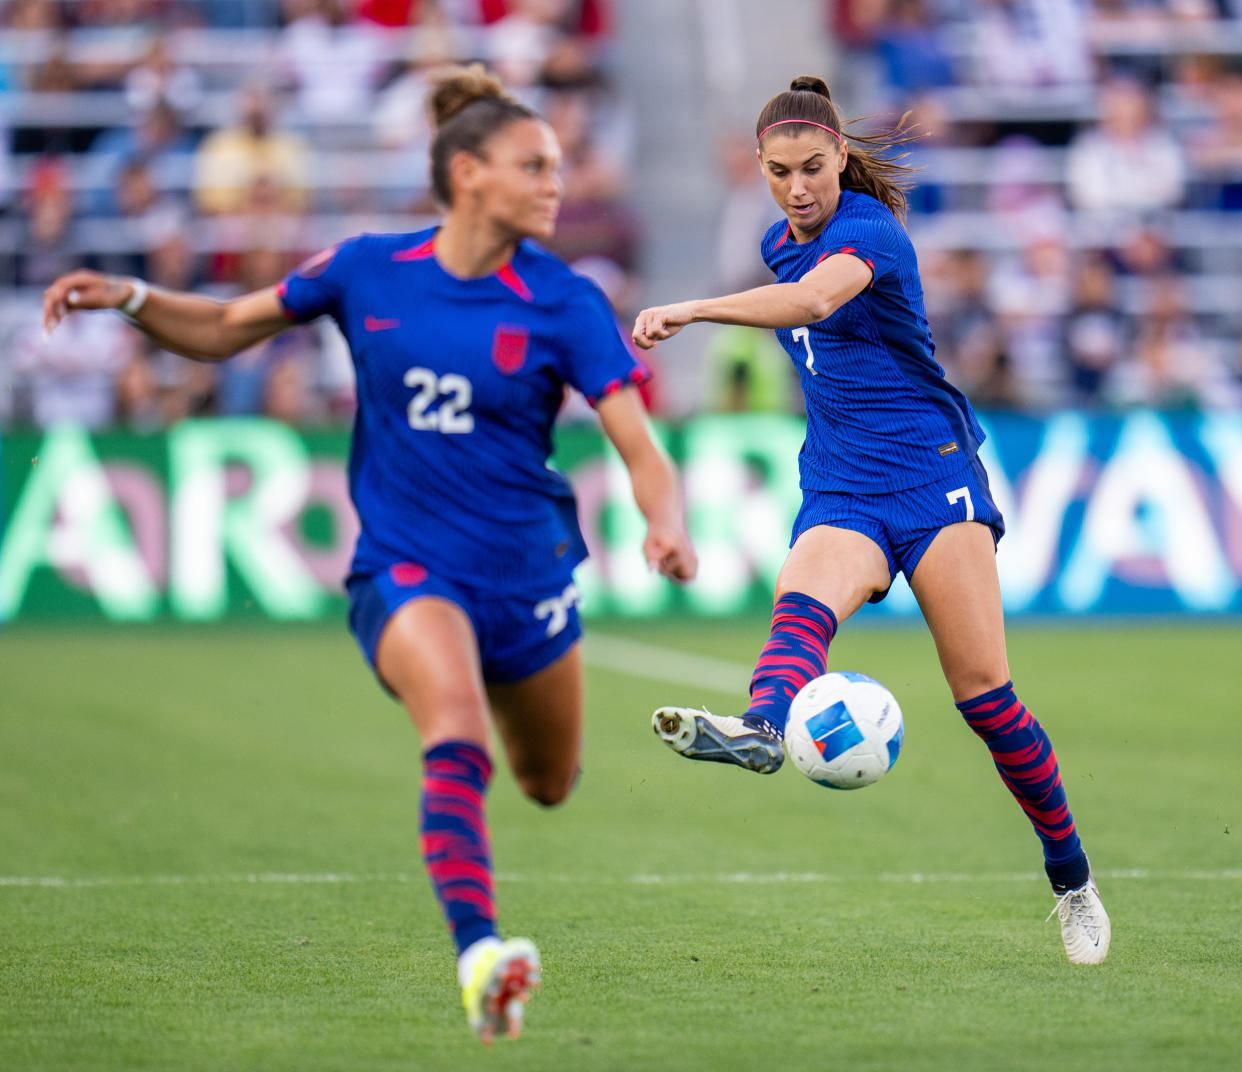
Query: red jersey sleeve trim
[282, 293]
[854, 253]
[416, 253]
[509, 277]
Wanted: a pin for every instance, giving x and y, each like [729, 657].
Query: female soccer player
[461, 591]
[890, 476]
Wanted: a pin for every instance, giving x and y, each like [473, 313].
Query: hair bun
[456, 88]
[808, 83]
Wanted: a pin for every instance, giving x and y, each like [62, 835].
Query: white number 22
[805, 335]
[453, 415]
[962, 495]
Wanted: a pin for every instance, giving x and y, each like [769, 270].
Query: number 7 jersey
[459, 382]
[880, 414]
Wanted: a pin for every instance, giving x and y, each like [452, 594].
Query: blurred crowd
[214, 144]
[1078, 208]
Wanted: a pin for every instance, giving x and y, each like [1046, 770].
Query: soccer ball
[844, 730]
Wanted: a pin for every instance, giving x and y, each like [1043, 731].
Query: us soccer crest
[509, 348]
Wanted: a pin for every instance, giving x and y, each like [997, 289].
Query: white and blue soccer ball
[844, 730]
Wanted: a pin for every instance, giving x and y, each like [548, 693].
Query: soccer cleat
[718, 739]
[498, 985]
[1085, 928]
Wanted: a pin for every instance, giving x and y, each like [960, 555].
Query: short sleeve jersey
[880, 414]
[459, 382]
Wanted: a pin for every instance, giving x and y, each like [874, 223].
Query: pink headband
[808, 122]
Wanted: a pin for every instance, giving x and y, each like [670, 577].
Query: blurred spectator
[156, 138]
[596, 219]
[32, 15]
[236, 14]
[144, 217]
[1173, 365]
[69, 376]
[272, 378]
[969, 341]
[120, 30]
[1128, 163]
[137, 394]
[1143, 252]
[231, 159]
[1023, 193]
[159, 78]
[1026, 45]
[929, 128]
[1127, 21]
[55, 73]
[1217, 151]
[744, 218]
[331, 63]
[286, 397]
[1096, 336]
[908, 44]
[262, 242]
[399, 120]
[8, 177]
[1031, 294]
[46, 247]
[187, 388]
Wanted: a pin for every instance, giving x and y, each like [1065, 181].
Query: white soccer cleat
[718, 739]
[1085, 928]
[496, 982]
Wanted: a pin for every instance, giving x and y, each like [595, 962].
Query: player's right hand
[661, 322]
[83, 289]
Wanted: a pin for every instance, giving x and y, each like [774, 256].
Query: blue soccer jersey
[459, 382]
[880, 414]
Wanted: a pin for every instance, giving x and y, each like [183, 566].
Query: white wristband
[135, 301]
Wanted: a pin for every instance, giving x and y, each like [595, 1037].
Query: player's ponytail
[467, 105]
[870, 169]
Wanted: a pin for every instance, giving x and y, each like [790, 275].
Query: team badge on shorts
[407, 574]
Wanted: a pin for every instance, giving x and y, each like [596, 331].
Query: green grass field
[208, 860]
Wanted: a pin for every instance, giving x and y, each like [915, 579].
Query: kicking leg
[830, 572]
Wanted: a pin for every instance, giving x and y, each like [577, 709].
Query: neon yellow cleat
[497, 979]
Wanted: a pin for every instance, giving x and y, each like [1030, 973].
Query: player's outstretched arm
[667, 547]
[814, 297]
[189, 324]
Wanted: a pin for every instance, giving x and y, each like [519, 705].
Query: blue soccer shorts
[517, 635]
[904, 523]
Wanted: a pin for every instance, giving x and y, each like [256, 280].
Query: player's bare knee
[967, 686]
[547, 789]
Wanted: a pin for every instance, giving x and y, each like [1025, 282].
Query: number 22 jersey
[459, 382]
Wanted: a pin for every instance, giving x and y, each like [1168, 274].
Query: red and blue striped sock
[1027, 764]
[454, 838]
[796, 652]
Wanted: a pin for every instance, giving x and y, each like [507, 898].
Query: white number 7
[960, 495]
[805, 335]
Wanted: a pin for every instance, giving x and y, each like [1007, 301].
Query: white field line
[741, 878]
[609, 652]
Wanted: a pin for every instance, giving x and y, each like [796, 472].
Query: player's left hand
[670, 552]
[661, 322]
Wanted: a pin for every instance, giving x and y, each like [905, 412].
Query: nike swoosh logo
[374, 323]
